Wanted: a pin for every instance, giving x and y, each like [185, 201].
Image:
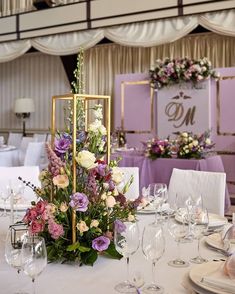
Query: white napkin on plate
[219, 280]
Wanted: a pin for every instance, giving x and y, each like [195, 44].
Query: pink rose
[56, 230]
[36, 227]
[30, 215]
[40, 206]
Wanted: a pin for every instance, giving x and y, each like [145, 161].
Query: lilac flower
[119, 226]
[100, 243]
[62, 145]
[79, 202]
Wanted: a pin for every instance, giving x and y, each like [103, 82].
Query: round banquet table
[101, 278]
[159, 170]
[8, 156]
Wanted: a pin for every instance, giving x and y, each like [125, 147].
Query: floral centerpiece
[98, 203]
[189, 145]
[156, 148]
[174, 71]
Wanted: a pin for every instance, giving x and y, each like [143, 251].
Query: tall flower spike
[55, 163]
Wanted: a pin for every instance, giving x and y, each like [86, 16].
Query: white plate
[20, 206]
[149, 209]
[199, 271]
[196, 288]
[215, 220]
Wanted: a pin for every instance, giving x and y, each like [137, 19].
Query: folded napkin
[219, 280]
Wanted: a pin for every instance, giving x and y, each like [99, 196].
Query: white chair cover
[23, 147]
[133, 191]
[14, 139]
[210, 185]
[33, 153]
[40, 137]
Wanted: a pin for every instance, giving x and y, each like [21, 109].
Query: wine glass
[153, 247]
[34, 257]
[17, 193]
[126, 240]
[13, 251]
[154, 195]
[4, 195]
[200, 221]
[178, 230]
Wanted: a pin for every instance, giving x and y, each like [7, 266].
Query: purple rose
[101, 169]
[119, 226]
[100, 243]
[79, 202]
[62, 145]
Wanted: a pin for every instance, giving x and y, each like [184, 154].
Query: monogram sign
[183, 107]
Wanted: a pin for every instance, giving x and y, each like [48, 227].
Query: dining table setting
[161, 246]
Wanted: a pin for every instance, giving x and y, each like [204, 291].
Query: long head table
[101, 278]
[159, 170]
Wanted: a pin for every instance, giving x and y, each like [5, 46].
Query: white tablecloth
[101, 278]
[9, 156]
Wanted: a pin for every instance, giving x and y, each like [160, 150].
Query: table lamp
[23, 108]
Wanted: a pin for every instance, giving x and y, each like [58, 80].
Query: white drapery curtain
[145, 34]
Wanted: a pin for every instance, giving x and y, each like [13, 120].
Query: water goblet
[126, 240]
[178, 230]
[13, 252]
[153, 247]
[200, 221]
[34, 257]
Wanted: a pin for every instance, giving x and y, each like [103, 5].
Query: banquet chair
[27, 173]
[133, 191]
[33, 153]
[210, 185]
[40, 137]
[23, 147]
[14, 139]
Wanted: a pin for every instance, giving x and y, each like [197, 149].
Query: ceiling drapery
[143, 34]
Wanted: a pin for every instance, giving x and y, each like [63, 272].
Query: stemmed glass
[4, 195]
[17, 192]
[126, 240]
[13, 252]
[34, 257]
[200, 221]
[153, 247]
[178, 230]
[155, 193]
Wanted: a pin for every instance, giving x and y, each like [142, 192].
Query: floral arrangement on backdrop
[156, 148]
[99, 202]
[174, 71]
[186, 145]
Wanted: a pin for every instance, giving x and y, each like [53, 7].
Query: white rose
[86, 159]
[94, 223]
[184, 134]
[195, 142]
[208, 141]
[110, 201]
[117, 175]
[131, 218]
[82, 227]
[190, 146]
[102, 130]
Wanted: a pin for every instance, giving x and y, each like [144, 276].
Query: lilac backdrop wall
[137, 115]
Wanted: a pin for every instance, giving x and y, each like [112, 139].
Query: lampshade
[24, 105]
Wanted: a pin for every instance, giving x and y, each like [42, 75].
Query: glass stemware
[4, 195]
[34, 257]
[155, 193]
[13, 253]
[178, 230]
[126, 240]
[200, 221]
[153, 247]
